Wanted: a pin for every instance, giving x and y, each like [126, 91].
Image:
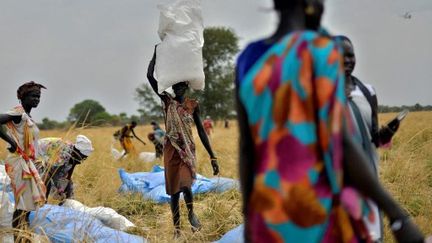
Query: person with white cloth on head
[57, 161]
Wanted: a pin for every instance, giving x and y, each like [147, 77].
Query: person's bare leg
[19, 222]
[193, 219]
[175, 210]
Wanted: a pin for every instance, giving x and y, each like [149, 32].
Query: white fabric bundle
[7, 207]
[108, 216]
[147, 156]
[179, 55]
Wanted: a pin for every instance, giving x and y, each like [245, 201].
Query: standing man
[363, 105]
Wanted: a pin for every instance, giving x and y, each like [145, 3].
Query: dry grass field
[406, 170]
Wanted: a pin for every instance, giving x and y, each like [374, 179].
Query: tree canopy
[87, 112]
[220, 48]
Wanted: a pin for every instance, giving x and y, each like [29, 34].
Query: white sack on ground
[179, 55]
[107, 216]
[115, 153]
[7, 207]
[147, 156]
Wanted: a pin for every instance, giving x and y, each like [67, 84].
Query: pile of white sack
[179, 55]
[107, 216]
[7, 206]
[147, 157]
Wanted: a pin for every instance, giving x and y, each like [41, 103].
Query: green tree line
[416, 107]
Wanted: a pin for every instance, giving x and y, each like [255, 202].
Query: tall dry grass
[406, 170]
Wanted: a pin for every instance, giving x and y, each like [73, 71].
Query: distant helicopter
[407, 15]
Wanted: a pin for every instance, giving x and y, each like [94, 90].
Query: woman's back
[293, 96]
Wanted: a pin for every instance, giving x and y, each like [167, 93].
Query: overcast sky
[99, 49]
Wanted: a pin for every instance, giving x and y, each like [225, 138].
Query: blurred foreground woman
[303, 179]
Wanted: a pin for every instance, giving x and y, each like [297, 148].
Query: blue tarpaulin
[66, 225]
[152, 184]
[233, 236]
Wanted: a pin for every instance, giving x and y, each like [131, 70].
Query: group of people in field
[308, 138]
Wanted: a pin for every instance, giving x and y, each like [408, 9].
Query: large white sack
[7, 207]
[107, 216]
[179, 55]
[116, 154]
[147, 156]
[4, 178]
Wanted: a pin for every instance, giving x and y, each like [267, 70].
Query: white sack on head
[179, 55]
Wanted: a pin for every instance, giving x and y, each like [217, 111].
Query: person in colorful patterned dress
[179, 148]
[59, 158]
[303, 179]
[21, 134]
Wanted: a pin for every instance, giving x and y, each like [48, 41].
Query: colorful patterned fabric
[293, 94]
[28, 188]
[56, 155]
[54, 151]
[178, 123]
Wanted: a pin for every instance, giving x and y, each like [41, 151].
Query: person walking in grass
[125, 136]
[180, 114]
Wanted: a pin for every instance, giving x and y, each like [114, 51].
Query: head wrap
[84, 145]
[28, 87]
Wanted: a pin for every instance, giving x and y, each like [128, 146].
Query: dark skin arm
[133, 132]
[4, 118]
[360, 175]
[247, 160]
[204, 139]
[384, 134]
[150, 75]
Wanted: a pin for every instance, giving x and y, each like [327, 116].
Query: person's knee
[186, 189]
[175, 197]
